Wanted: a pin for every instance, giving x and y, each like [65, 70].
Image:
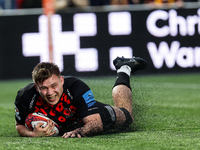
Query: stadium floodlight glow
[119, 23]
[119, 52]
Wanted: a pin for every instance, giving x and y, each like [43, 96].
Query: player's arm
[22, 130]
[92, 125]
[38, 130]
[87, 109]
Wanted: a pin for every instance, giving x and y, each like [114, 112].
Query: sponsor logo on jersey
[17, 113]
[69, 94]
[89, 99]
[32, 101]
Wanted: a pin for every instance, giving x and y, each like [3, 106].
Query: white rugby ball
[34, 118]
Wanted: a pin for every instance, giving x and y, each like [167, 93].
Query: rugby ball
[34, 118]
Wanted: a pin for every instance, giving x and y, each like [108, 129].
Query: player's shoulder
[27, 93]
[70, 80]
[28, 88]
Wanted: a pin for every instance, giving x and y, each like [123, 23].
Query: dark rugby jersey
[76, 102]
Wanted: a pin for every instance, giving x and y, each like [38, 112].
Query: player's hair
[44, 70]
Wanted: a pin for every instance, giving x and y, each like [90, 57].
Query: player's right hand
[40, 131]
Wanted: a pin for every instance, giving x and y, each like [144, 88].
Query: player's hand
[74, 133]
[39, 131]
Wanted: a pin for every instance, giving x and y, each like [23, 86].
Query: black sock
[122, 78]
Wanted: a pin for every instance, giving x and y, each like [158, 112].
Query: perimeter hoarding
[85, 43]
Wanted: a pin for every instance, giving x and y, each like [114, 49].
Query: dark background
[13, 65]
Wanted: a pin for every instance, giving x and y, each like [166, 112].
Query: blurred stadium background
[83, 41]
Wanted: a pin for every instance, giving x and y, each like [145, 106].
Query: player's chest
[63, 111]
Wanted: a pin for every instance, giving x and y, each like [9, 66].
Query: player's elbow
[18, 128]
[22, 130]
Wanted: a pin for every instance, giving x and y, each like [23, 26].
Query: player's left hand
[74, 133]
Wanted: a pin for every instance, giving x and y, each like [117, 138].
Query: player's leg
[122, 98]
[122, 95]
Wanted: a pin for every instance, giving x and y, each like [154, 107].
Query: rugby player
[70, 102]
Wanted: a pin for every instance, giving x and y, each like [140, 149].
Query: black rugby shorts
[108, 116]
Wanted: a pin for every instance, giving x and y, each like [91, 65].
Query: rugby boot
[135, 63]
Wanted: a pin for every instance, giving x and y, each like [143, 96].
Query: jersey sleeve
[84, 99]
[23, 104]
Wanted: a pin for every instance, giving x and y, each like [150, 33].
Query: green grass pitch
[166, 110]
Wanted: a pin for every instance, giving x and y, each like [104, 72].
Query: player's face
[51, 89]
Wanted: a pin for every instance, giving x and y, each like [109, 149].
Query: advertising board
[85, 43]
